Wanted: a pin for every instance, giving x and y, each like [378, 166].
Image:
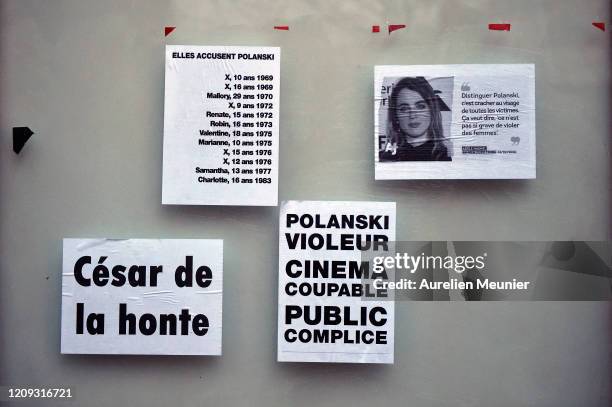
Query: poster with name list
[221, 125]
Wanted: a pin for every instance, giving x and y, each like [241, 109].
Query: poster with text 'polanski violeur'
[142, 296]
[454, 121]
[325, 313]
[221, 131]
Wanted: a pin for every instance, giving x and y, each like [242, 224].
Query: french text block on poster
[324, 315]
[221, 125]
[142, 296]
[454, 122]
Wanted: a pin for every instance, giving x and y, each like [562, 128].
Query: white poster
[454, 121]
[142, 296]
[221, 128]
[326, 312]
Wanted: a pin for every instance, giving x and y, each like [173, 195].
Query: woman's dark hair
[422, 87]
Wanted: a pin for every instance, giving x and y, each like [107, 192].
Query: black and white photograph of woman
[413, 124]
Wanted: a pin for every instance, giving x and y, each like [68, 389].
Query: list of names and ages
[221, 125]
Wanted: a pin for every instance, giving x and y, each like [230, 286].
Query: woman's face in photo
[413, 113]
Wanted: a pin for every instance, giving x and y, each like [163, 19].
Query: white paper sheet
[296, 333]
[221, 130]
[478, 121]
[150, 290]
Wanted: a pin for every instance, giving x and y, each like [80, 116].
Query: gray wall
[87, 77]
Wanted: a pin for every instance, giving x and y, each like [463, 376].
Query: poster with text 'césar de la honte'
[326, 313]
[142, 296]
[221, 128]
[454, 122]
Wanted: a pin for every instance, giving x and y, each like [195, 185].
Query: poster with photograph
[142, 296]
[221, 110]
[325, 311]
[454, 122]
